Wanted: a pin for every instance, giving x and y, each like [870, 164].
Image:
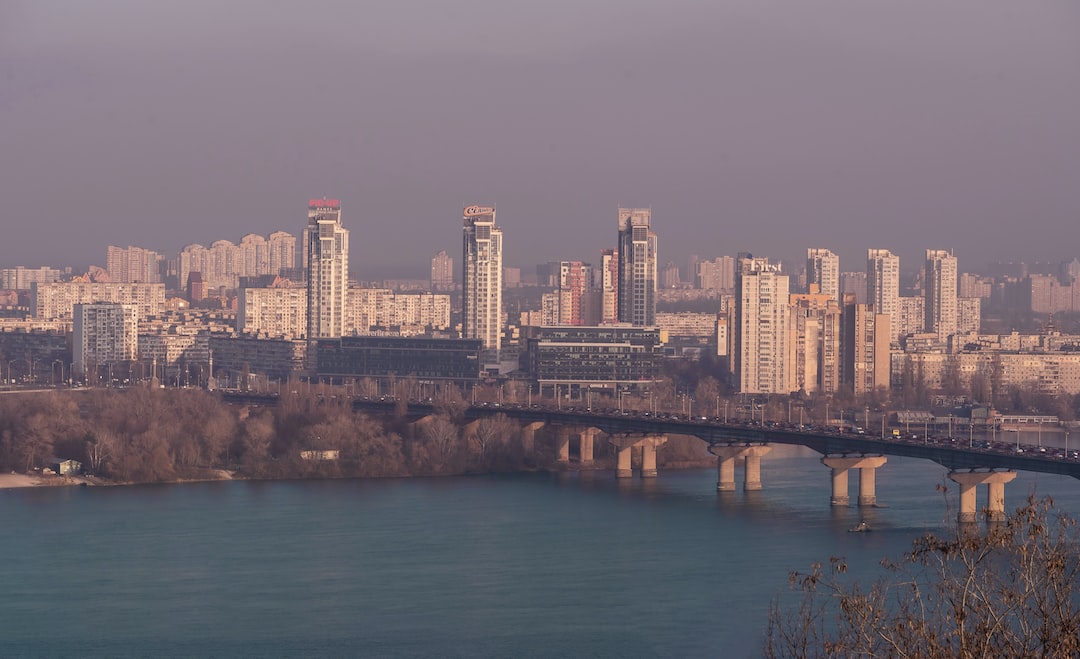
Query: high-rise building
[57, 300]
[481, 295]
[575, 287]
[883, 284]
[442, 272]
[224, 265]
[405, 314]
[865, 347]
[609, 286]
[717, 275]
[133, 265]
[815, 342]
[282, 247]
[22, 279]
[637, 267]
[968, 314]
[910, 316]
[760, 357]
[103, 333]
[670, 276]
[272, 312]
[823, 269]
[328, 270]
[854, 283]
[193, 258]
[940, 293]
[254, 256]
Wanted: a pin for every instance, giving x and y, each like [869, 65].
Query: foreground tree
[1012, 592]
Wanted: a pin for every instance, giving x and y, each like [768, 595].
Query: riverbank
[13, 481]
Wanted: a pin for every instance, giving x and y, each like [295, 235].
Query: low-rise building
[425, 358]
[599, 357]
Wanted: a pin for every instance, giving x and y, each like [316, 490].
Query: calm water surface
[574, 564]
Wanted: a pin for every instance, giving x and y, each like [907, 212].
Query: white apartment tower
[103, 333]
[481, 294]
[133, 265]
[442, 272]
[762, 315]
[823, 269]
[609, 286]
[637, 267]
[883, 284]
[940, 293]
[282, 247]
[328, 270]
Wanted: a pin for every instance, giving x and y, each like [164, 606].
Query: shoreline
[19, 481]
[14, 481]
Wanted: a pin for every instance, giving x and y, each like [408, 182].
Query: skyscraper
[282, 247]
[481, 294]
[823, 269]
[442, 272]
[883, 285]
[762, 315]
[609, 286]
[940, 293]
[637, 267]
[327, 252]
[133, 265]
[575, 287]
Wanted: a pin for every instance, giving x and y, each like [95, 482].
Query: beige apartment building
[57, 300]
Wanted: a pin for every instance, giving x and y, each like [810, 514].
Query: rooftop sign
[473, 211]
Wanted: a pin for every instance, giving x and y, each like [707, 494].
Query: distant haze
[754, 126]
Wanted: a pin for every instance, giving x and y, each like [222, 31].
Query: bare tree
[1012, 592]
[493, 432]
[450, 403]
[443, 438]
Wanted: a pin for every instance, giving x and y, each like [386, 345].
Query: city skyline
[746, 127]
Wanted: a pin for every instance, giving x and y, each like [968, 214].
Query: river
[546, 565]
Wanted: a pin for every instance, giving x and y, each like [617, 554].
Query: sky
[766, 126]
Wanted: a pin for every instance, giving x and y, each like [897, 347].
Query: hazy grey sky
[748, 125]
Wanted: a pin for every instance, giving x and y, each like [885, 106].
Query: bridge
[970, 465]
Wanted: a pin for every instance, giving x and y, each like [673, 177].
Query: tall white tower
[823, 269]
[940, 293]
[481, 294]
[327, 252]
[883, 285]
[637, 267]
[762, 315]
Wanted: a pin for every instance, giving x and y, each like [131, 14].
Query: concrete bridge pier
[995, 481]
[625, 445]
[562, 444]
[587, 437]
[752, 475]
[622, 466]
[725, 466]
[528, 436]
[649, 444]
[867, 478]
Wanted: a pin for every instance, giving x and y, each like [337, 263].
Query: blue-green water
[574, 564]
